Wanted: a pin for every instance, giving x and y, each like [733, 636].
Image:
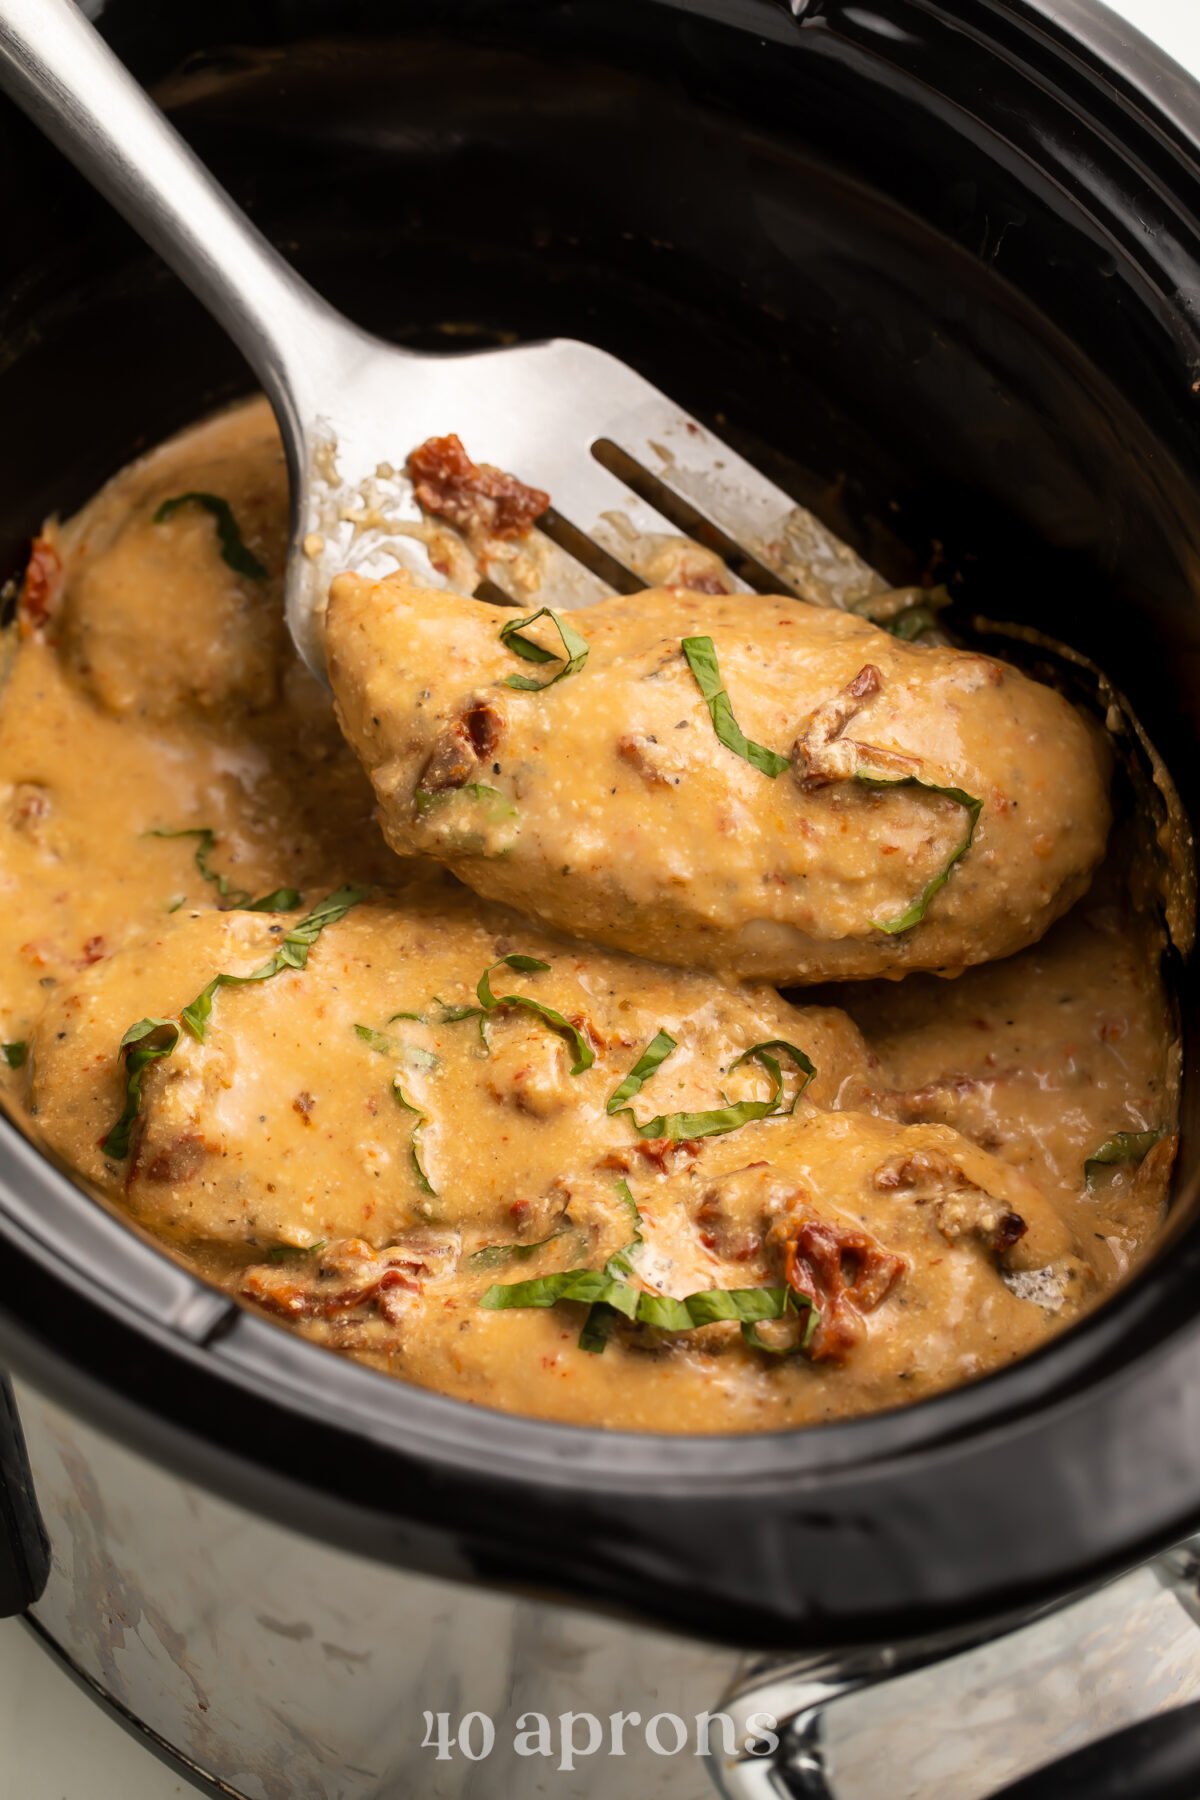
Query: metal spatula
[619, 458]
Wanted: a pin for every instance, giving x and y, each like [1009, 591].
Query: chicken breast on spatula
[732, 781]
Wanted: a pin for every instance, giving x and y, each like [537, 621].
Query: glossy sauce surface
[350, 1146]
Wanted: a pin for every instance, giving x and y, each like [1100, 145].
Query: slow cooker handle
[1158, 1759]
[797, 1720]
[24, 1550]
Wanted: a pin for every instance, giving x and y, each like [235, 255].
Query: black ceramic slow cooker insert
[933, 265]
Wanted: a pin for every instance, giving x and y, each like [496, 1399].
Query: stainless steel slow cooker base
[278, 1668]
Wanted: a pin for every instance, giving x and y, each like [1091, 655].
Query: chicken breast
[736, 782]
[387, 1116]
[201, 527]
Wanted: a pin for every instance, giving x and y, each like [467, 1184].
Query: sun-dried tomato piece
[40, 587]
[463, 749]
[475, 497]
[961, 1207]
[347, 1277]
[844, 1272]
[176, 1162]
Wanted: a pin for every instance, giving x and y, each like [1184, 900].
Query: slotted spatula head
[619, 459]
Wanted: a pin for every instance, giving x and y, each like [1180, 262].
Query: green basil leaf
[233, 547]
[575, 649]
[206, 844]
[760, 1053]
[496, 803]
[413, 1055]
[597, 1328]
[608, 1299]
[585, 1285]
[920, 614]
[493, 1256]
[417, 1018]
[803, 1339]
[664, 1313]
[145, 1042]
[652, 1058]
[679, 1127]
[525, 965]
[453, 1015]
[291, 1252]
[195, 1014]
[913, 915]
[910, 623]
[423, 1181]
[605, 1292]
[701, 654]
[1122, 1147]
[284, 899]
[291, 954]
[15, 1053]
[490, 1002]
[619, 1265]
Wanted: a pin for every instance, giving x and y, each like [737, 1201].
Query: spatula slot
[587, 551]
[687, 519]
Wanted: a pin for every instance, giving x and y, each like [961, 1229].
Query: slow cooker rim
[227, 1342]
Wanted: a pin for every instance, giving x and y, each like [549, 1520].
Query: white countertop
[55, 1743]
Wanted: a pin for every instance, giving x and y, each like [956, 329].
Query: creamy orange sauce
[350, 1147]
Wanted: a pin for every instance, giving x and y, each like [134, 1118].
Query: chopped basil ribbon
[290, 1252]
[702, 660]
[15, 1053]
[608, 1297]
[144, 1043]
[493, 1255]
[283, 899]
[910, 623]
[149, 1039]
[701, 654]
[206, 844]
[749, 1307]
[291, 954]
[602, 1314]
[652, 1057]
[233, 547]
[495, 802]
[587, 1285]
[605, 1292]
[491, 1003]
[402, 1099]
[913, 914]
[595, 1288]
[906, 622]
[1122, 1147]
[575, 650]
[681, 1126]
[412, 1054]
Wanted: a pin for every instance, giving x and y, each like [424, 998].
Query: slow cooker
[935, 265]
